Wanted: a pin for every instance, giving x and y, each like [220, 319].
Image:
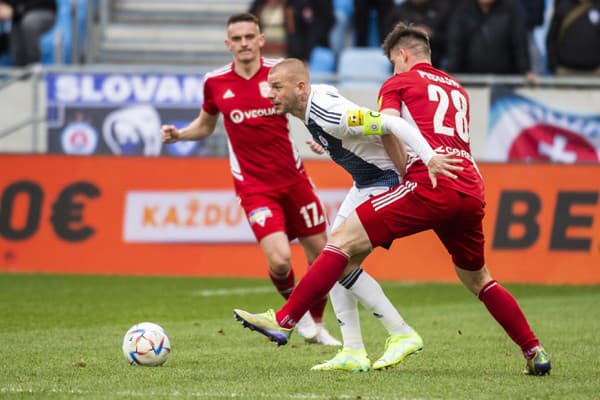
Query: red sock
[318, 309]
[505, 309]
[284, 284]
[313, 286]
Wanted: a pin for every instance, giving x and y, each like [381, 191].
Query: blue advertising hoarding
[121, 114]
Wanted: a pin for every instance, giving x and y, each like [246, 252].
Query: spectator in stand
[573, 41]
[488, 37]
[429, 15]
[534, 13]
[309, 23]
[30, 20]
[271, 15]
[342, 31]
[5, 16]
[362, 18]
[534, 17]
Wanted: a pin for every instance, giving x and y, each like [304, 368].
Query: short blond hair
[294, 68]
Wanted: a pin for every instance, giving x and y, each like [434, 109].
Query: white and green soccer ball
[146, 344]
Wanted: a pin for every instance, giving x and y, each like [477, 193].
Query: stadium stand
[321, 62]
[342, 32]
[352, 66]
[55, 45]
[163, 31]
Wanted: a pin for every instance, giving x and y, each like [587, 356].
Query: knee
[474, 281]
[479, 283]
[279, 263]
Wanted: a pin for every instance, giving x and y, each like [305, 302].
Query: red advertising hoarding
[112, 215]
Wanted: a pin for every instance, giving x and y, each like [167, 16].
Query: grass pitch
[61, 339]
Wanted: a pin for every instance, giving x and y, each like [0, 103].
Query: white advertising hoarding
[202, 216]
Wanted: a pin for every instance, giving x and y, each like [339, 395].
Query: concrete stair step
[205, 59]
[166, 32]
[150, 33]
[180, 11]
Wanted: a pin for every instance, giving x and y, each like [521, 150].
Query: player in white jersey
[324, 112]
[373, 171]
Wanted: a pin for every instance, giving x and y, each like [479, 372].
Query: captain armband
[370, 121]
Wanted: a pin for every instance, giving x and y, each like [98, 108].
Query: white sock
[368, 291]
[346, 310]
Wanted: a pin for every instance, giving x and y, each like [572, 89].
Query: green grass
[61, 339]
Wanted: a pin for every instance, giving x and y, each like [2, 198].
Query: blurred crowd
[22, 24]
[467, 36]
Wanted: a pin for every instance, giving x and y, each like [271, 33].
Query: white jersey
[364, 157]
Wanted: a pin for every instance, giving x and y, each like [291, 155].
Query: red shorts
[413, 207]
[295, 210]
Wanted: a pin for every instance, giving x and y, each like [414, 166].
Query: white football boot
[314, 333]
[324, 337]
[306, 327]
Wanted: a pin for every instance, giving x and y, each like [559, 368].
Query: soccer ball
[146, 344]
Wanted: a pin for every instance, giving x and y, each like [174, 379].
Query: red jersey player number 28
[461, 122]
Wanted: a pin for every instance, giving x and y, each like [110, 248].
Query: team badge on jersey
[264, 88]
[259, 216]
[323, 141]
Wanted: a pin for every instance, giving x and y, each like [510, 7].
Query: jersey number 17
[311, 215]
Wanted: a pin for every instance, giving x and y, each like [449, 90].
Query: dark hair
[243, 17]
[407, 36]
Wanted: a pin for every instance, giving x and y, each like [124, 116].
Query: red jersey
[262, 155]
[436, 104]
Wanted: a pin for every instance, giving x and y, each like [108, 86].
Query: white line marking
[235, 291]
[270, 289]
[178, 394]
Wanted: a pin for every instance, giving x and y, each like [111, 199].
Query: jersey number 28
[461, 124]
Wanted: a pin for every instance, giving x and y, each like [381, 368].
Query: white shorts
[353, 199]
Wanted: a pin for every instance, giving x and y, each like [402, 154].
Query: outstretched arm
[201, 127]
